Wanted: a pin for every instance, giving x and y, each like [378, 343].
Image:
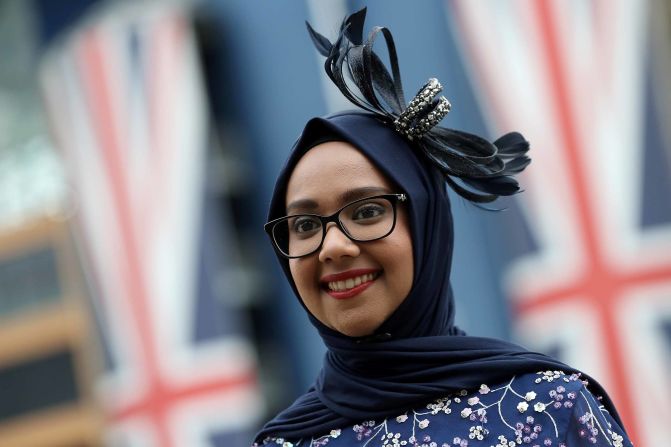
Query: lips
[350, 283]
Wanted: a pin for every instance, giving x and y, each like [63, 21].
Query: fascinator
[477, 169]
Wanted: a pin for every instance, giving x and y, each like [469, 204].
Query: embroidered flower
[522, 407]
[484, 389]
[473, 400]
[423, 423]
[617, 439]
[463, 393]
[391, 440]
[478, 432]
[539, 407]
[402, 418]
[503, 442]
[466, 412]
[335, 433]
[440, 405]
[531, 395]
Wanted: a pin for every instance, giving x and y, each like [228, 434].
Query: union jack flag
[126, 105]
[588, 84]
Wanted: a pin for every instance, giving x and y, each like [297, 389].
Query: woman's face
[328, 177]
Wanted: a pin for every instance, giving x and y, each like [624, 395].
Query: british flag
[588, 83]
[126, 105]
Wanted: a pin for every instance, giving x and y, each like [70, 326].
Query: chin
[356, 328]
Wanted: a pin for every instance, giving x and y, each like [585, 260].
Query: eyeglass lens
[362, 220]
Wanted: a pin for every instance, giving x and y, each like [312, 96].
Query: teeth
[339, 286]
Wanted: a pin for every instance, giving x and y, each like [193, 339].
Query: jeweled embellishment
[421, 103]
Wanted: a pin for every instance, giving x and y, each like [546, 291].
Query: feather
[322, 44]
[476, 168]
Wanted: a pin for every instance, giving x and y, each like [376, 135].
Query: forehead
[330, 168]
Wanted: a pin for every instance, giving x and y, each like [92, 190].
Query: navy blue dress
[544, 409]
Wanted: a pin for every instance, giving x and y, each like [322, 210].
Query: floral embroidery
[617, 439]
[440, 405]
[489, 416]
[365, 430]
[478, 432]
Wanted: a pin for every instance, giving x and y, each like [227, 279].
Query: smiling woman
[360, 220]
[348, 286]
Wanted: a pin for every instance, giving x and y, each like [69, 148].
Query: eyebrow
[347, 196]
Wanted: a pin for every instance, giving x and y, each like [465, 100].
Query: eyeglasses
[363, 220]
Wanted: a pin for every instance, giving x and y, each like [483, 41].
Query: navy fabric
[418, 353]
[538, 409]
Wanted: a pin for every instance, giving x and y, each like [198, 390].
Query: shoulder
[551, 408]
[541, 409]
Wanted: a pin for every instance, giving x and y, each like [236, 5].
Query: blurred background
[140, 303]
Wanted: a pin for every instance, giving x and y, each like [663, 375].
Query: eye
[305, 225]
[368, 211]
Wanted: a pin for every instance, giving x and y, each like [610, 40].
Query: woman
[361, 223]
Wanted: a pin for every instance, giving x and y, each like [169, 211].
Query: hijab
[417, 354]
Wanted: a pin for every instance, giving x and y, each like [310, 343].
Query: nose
[337, 245]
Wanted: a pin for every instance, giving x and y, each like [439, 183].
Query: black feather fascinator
[474, 167]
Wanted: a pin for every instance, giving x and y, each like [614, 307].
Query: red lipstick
[349, 293]
[342, 276]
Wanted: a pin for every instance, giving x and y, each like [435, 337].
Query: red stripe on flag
[159, 400]
[598, 278]
[158, 396]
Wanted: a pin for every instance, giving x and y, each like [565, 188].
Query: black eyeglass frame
[335, 218]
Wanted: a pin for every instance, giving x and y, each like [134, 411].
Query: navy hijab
[417, 354]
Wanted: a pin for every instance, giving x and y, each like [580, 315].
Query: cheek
[302, 273]
[404, 272]
[403, 263]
